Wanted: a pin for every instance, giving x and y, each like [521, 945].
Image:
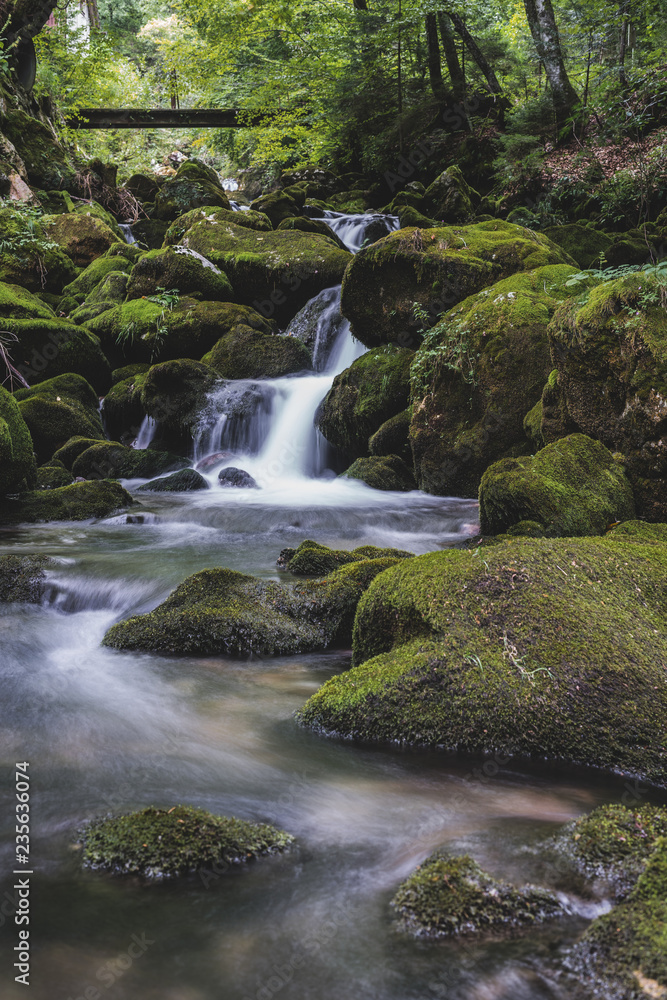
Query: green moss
[436, 269]
[82, 237]
[610, 349]
[110, 292]
[391, 438]
[247, 220]
[46, 161]
[624, 953]
[583, 243]
[22, 578]
[28, 255]
[220, 612]
[167, 842]
[57, 409]
[185, 481]
[275, 272]
[19, 303]
[174, 394]
[128, 371]
[181, 194]
[52, 476]
[49, 347]
[386, 472]
[305, 225]
[277, 206]
[174, 267]
[110, 460]
[572, 487]
[450, 198]
[89, 278]
[448, 896]
[532, 426]
[373, 389]
[72, 448]
[17, 463]
[78, 502]
[313, 559]
[122, 408]
[248, 353]
[641, 530]
[477, 372]
[492, 651]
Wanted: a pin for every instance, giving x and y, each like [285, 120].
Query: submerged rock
[22, 578]
[448, 896]
[238, 478]
[220, 612]
[185, 481]
[78, 502]
[552, 648]
[167, 842]
[572, 487]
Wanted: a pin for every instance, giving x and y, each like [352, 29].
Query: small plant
[13, 373]
[446, 345]
[23, 238]
[126, 335]
[167, 298]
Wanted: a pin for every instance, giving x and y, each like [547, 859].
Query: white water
[126, 230]
[352, 229]
[145, 435]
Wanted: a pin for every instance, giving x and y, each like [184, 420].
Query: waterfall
[126, 230]
[355, 230]
[145, 435]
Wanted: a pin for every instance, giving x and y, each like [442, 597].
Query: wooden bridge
[167, 118]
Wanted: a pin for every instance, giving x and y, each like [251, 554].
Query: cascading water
[357, 230]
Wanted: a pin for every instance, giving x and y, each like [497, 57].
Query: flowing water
[106, 731]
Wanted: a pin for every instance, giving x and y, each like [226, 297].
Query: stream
[106, 731]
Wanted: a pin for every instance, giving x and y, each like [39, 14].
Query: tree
[543, 28]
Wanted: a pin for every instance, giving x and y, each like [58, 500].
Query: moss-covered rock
[123, 410]
[248, 353]
[128, 371]
[495, 654]
[386, 472]
[275, 272]
[144, 187]
[78, 502]
[52, 476]
[110, 292]
[120, 257]
[22, 578]
[150, 233]
[57, 409]
[19, 303]
[277, 206]
[167, 842]
[392, 437]
[184, 192]
[434, 269]
[110, 460]
[306, 225]
[46, 348]
[82, 237]
[220, 612]
[46, 161]
[641, 530]
[185, 481]
[247, 220]
[313, 559]
[623, 954]
[28, 255]
[532, 426]
[450, 199]
[146, 331]
[181, 269]
[373, 389]
[17, 462]
[71, 450]
[584, 244]
[448, 896]
[571, 487]
[477, 372]
[610, 348]
[174, 394]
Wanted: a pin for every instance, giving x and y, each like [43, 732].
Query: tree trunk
[476, 52]
[434, 64]
[452, 57]
[623, 45]
[544, 30]
[360, 4]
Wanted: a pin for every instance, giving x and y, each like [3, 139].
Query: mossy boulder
[29, 257]
[160, 843]
[277, 206]
[150, 233]
[532, 426]
[477, 372]
[386, 472]
[275, 272]
[46, 348]
[22, 578]
[181, 269]
[572, 487]
[78, 502]
[174, 394]
[215, 216]
[374, 388]
[52, 476]
[182, 193]
[450, 896]
[313, 559]
[123, 409]
[17, 462]
[142, 186]
[195, 168]
[623, 954]
[82, 237]
[305, 225]
[46, 161]
[71, 450]
[610, 348]
[392, 437]
[220, 612]
[57, 409]
[111, 460]
[495, 654]
[18, 303]
[110, 292]
[450, 199]
[584, 244]
[184, 481]
[248, 353]
[120, 257]
[641, 530]
[143, 331]
[434, 270]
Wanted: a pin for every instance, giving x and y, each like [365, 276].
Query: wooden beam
[166, 118]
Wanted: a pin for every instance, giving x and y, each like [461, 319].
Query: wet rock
[45, 348]
[182, 270]
[78, 502]
[52, 476]
[386, 472]
[174, 394]
[185, 481]
[392, 437]
[17, 461]
[23, 578]
[159, 843]
[82, 237]
[111, 460]
[238, 478]
[56, 410]
[313, 559]
[246, 353]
